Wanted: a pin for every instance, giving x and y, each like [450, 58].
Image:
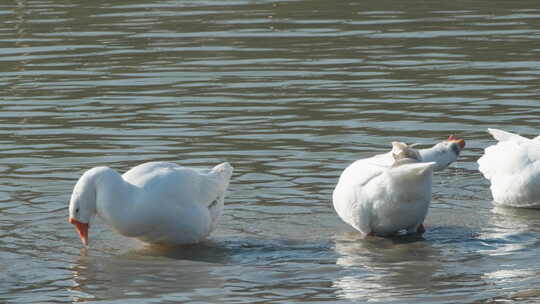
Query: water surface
[290, 93]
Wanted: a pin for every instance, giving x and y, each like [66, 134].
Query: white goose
[391, 192]
[512, 166]
[155, 202]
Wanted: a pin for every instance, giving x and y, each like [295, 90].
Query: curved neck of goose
[115, 199]
[442, 158]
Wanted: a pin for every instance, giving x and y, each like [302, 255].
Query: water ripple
[290, 92]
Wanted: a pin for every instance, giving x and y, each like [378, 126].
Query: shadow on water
[207, 251]
[238, 252]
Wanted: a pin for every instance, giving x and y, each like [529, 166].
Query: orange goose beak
[82, 228]
[459, 141]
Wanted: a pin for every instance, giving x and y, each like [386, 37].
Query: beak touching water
[82, 228]
[460, 142]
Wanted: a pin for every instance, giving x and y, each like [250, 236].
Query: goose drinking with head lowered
[155, 202]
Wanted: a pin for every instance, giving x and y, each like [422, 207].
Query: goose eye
[77, 210]
[455, 148]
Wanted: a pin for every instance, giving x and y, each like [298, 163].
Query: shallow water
[289, 92]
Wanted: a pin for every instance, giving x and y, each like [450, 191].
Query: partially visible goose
[391, 192]
[512, 166]
[156, 202]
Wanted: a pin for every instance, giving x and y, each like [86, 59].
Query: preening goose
[391, 192]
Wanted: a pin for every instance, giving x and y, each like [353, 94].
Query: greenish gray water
[289, 92]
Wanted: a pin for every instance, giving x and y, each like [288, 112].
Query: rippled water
[289, 92]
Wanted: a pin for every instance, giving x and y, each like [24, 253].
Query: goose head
[443, 153]
[82, 205]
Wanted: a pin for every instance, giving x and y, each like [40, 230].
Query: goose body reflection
[381, 270]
